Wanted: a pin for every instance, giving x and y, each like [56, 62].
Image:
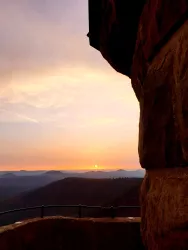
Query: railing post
[113, 213]
[80, 211]
[42, 211]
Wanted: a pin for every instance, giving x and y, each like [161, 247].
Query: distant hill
[114, 174]
[8, 175]
[54, 173]
[73, 191]
[12, 185]
[28, 173]
[16, 182]
[100, 174]
[87, 174]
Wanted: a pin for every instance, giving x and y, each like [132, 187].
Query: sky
[62, 106]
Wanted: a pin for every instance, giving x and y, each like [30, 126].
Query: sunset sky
[62, 106]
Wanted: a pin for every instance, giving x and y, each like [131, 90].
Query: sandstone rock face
[110, 31]
[164, 200]
[163, 146]
[160, 80]
[163, 129]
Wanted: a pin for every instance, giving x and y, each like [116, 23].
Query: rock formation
[157, 63]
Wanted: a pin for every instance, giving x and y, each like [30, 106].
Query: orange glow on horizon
[63, 107]
[80, 168]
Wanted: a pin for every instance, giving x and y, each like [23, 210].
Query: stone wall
[68, 233]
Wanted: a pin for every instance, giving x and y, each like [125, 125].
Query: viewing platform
[54, 233]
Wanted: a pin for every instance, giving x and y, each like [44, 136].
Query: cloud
[12, 117]
[38, 35]
[58, 96]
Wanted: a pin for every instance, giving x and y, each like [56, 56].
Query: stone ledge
[71, 233]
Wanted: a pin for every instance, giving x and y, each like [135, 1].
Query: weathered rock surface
[159, 76]
[164, 213]
[163, 136]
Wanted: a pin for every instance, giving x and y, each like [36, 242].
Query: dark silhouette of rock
[113, 28]
[159, 76]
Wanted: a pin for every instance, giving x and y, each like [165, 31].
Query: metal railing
[113, 210]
